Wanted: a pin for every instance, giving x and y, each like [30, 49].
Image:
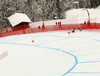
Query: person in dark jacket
[73, 30]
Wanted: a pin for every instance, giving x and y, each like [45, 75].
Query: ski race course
[53, 50]
[51, 54]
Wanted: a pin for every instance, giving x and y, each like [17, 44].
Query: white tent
[18, 18]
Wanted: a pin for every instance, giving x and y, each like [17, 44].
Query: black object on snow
[73, 30]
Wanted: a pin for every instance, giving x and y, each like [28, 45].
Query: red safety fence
[52, 28]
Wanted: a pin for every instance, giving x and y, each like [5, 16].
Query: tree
[94, 3]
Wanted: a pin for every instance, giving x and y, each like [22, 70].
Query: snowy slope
[51, 54]
[73, 16]
[82, 15]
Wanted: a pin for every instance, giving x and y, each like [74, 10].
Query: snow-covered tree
[38, 10]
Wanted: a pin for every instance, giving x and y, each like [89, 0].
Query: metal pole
[88, 14]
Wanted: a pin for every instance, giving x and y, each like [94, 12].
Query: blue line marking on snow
[96, 40]
[76, 61]
[88, 62]
[85, 72]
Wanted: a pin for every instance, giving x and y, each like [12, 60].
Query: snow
[73, 16]
[51, 54]
[82, 15]
[17, 18]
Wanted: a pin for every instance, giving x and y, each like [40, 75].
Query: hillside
[38, 9]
